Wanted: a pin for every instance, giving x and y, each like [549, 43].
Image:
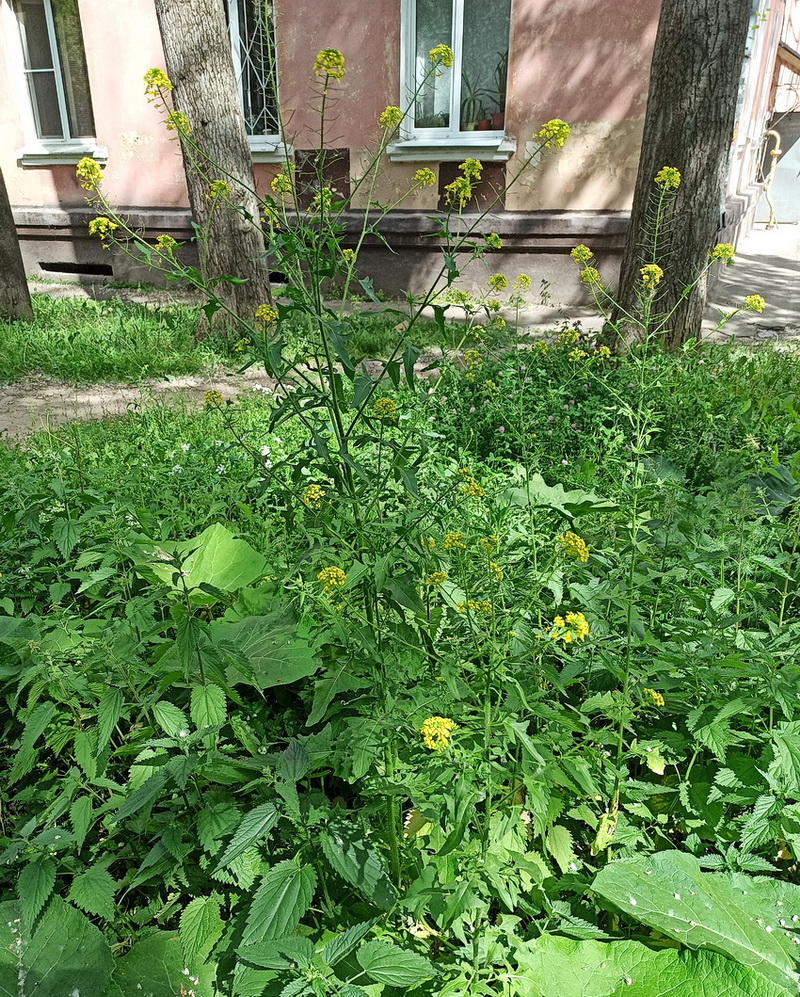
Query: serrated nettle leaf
[200, 928]
[109, 711]
[357, 862]
[283, 897]
[337, 948]
[738, 916]
[34, 886]
[255, 825]
[294, 762]
[283, 953]
[93, 891]
[386, 963]
[35, 725]
[171, 720]
[147, 793]
[80, 815]
[66, 533]
[155, 966]
[209, 706]
[559, 845]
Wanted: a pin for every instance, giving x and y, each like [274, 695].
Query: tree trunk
[15, 298]
[198, 59]
[691, 107]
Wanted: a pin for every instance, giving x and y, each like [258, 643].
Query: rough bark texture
[15, 299]
[694, 86]
[198, 59]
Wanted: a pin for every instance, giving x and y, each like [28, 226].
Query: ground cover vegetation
[482, 682]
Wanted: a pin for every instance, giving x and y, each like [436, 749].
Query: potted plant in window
[471, 108]
[484, 120]
[499, 93]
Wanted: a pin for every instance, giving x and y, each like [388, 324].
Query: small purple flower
[627, 448]
[572, 401]
[630, 384]
[501, 429]
[565, 461]
[454, 411]
[572, 425]
[566, 408]
[523, 367]
[549, 432]
[485, 401]
[473, 409]
[550, 418]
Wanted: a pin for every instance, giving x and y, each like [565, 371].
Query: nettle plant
[424, 749]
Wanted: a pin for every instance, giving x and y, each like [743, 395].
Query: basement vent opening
[80, 269]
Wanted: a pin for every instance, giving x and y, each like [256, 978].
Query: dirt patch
[41, 403]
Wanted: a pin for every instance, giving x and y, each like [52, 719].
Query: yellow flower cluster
[461, 298]
[89, 173]
[331, 578]
[166, 245]
[553, 133]
[469, 486]
[602, 353]
[176, 121]
[385, 408]
[490, 544]
[581, 254]
[574, 546]
[475, 606]
[473, 360]
[496, 571]
[436, 578]
[443, 54]
[573, 627]
[591, 276]
[668, 177]
[218, 188]
[330, 63]
[267, 314]
[212, 399]
[281, 184]
[497, 282]
[156, 80]
[453, 541]
[312, 497]
[493, 241]
[722, 253]
[321, 201]
[576, 355]
[429, 543]
[755, 303]
[651, 274]
[522, 282]
[471, 168]
[458, 193]
[436, 732]
[568, 337]
[102, 226]
[349, 256]
[425, 177]
[390, 117]
[655, 698]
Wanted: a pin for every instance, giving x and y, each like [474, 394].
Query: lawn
[497, 679]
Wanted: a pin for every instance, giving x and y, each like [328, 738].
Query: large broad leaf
[215, 558]
[395, 967]
[154, 967]
[740, 916]
[65, 955]
[537, 493]
[276, 652]
[254, 825]
[201, 926]
[561, 967]
[357, 862]
[284, 896]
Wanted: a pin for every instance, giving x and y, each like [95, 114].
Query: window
[61, 124]
[253, 48]
[463, 106]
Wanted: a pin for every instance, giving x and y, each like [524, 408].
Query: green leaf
[721, 597]
[93, 891]
[170, 718]
[38, 719]
[149, 791]
[80, 815]
[109, 710]
[357, 863]
[209, 706]
[95, 577]
[786, 768]
[394, 967]
[537, 493]
[201, 927]
[213, 558]
[294, 762]
[280, 954]
[340, 946]
[154, 967]
[559, 844]
[550, 966]
[34, 886]
[66, 533]
[283, 897]
[330, 688]
[275, 652]
[728, 914]
[65, 955]
[254, 825]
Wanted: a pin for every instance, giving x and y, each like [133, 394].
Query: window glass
[484, 64]
[434, 27]
[71, 55]
[253, 59]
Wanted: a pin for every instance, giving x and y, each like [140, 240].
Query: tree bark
[691, 107]
[198, 59]
[15, 298]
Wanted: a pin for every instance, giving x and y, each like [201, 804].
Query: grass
[82, 341]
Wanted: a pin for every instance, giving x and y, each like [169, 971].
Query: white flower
[265, 451]
[220, 468]
[177, 469]
[183, 733]
[185, 447]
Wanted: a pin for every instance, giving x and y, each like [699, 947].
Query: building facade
[71, 85]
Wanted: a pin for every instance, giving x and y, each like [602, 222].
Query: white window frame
[430, 144]
[263, 148]
[38, 151]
